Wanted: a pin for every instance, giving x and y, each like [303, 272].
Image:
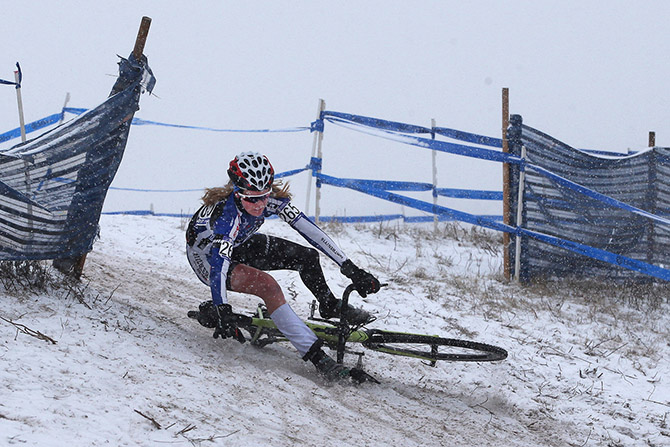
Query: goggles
[254, 198]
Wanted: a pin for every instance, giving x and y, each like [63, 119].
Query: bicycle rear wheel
[433, 348]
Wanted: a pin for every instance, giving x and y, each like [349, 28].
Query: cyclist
[226, 252]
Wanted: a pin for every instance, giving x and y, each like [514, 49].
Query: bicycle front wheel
[433, 348]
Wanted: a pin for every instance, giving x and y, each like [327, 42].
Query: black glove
[364, 282]
[221, 318]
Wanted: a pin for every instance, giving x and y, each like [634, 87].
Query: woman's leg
[274, 253]
[250, 280]
[247, 279]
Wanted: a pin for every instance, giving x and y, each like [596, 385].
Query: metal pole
[505, 179]
[432, 134]
[519, 216]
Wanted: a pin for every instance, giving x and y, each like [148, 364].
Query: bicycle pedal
[360, 376]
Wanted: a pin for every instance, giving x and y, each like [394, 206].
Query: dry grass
[34, 277]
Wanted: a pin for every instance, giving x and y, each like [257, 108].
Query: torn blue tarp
[52, 187]
[614, 209]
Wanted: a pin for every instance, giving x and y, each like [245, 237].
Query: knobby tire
[432, 348]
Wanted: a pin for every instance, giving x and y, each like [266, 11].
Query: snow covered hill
[588, 363]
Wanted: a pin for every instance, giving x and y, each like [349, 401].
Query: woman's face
[254, 202]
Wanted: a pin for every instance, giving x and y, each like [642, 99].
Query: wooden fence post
[505, 180]
[74, 267]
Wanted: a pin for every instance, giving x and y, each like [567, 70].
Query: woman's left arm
[364, 281]
[290, 214]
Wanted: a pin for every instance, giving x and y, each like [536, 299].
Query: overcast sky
[590, 73]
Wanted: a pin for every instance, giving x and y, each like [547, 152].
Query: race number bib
[225, 248]
[289, 213]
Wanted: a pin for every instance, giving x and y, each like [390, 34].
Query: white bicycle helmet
[251, 171]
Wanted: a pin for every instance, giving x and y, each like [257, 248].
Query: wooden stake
[318, 139]
[652, 138]
[315, 142]
[505, 180]
[26, 164]
[19, 101]
[141, 38]
[75, 266]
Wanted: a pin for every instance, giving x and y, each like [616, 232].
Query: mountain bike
[338, 335]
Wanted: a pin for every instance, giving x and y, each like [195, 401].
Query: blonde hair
[220, 193]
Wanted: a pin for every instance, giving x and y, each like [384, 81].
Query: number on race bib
[289, 213]
[226, 249]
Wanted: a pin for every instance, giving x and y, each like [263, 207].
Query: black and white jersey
[214, 231]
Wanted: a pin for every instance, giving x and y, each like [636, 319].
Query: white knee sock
[293, 328]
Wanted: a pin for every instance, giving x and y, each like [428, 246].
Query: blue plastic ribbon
[143, 122]
[290, 173]
[315, 164]
[488, 222]
[316, 126]
[31, 127]
[418, 204]
[374, 122]
[17, 84]
[469, 137]
[388, 132]
[469, 194]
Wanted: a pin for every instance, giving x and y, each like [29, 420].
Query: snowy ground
[588, 365]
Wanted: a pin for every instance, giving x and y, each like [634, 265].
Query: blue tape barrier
[491, 223]
[418, 204]
[290, 173]
[375, 184]
[469, 194]
[485, 154]
[388, 131]
[56, 117]
[469, 137]
[394, 126]
[31, 127]
[374, 122]
[143, 122]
